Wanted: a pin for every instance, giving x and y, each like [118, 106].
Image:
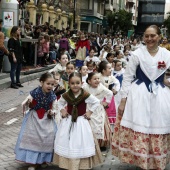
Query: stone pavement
[10, 122]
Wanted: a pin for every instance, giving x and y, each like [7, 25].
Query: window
[84, 4]
[98, 7]
[84, 26]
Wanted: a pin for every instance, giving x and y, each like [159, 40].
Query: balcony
[88, 12]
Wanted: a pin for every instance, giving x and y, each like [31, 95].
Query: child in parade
[108, 80]
[82, 49]
[94, 87]
[91, 66]
[70, 68]
[61, 66]
[91, 57]
[120, 56]
[46, 47]
[36, 138]
[118, 73]
[58, 89]
[110, 59]
[84, 73]
[40, 53]
[75, 146]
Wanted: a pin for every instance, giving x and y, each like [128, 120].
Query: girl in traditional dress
[36, 139]
[118, 73]
[142, 133]
[70, 68]
[102, 131]
[84, 74]
[75, 146]
[82, 49]
[108, 80]
[91, 57]
[61, 66]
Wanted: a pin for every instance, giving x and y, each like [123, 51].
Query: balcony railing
[86, 11]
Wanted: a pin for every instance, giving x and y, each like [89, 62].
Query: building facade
[132, 6]
[150, 12]
[91, 15]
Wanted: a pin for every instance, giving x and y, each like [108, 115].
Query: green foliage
[167, 23]
[120, 20]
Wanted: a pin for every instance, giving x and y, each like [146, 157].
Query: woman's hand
[64, 113]
[121, 107]
[166, 81]
[87, 115]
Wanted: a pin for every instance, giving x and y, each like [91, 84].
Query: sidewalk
[10, 122]
[27, 74]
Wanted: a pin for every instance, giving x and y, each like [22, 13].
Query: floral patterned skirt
[144, 150]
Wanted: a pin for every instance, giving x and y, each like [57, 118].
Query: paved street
[10, 122]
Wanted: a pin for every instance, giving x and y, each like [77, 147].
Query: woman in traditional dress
[142, 132]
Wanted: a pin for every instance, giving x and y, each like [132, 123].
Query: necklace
[153, 51]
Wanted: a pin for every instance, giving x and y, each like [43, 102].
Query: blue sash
[141, 77]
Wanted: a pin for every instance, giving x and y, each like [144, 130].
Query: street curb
[6, 82]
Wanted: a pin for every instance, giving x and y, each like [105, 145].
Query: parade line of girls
[69, 118]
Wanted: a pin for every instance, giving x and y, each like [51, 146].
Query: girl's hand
[114, 92]
[25, 106]
[87, 115]
[105, 105]
[64, 113]
[121, 107]
[50, 114]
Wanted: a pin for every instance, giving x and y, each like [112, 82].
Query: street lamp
[74, 15]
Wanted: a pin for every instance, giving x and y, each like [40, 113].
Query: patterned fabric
[106, 142]
[147, 151]
[43, 100]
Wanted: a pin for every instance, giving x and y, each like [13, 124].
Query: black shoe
[19, 85]
[103, 149]
[14, 86]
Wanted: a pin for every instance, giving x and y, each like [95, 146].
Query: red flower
[161, 65]
[157, 149]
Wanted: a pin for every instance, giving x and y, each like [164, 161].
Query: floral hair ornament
[161, 65]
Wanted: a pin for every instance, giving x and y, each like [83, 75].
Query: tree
[120, 21]
[167, 23]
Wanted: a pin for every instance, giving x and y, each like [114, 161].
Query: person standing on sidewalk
[16, 57]
[35, 142]
[3, 50]
[142, 132]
